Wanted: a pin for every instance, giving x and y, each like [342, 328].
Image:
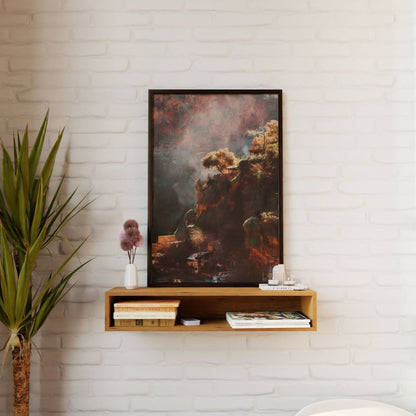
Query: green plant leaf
[15, 151]
[8, 274]
[9, 183]
[57, 292]
[68, 217]
[10, 228]
[24, 284]
[54, 198]
[37, 216]
[22, 169]
[21, 200]
[37, 149]
[50, 161]
[5, 303]
[3, 315]
[55, 274]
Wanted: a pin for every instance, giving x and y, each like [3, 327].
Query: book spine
[166, 322]
[143, 308]
[144, 315]
[144, 322]
[146, 304]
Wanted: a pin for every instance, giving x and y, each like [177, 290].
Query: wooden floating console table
[210, 304]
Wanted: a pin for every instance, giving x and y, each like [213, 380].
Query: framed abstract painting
[215, 187]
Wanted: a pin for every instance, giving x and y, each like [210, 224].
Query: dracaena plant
[31, 217]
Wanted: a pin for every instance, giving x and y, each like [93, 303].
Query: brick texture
[347, 71]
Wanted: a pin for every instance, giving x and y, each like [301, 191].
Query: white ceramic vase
[131, 280]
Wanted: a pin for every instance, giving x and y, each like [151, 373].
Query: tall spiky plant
[29, 222]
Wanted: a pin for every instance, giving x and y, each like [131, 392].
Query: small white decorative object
[190, 321]
[131, 280]
[290, 281]
[279, 272]
[299, 286]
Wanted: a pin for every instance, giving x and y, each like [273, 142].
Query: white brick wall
[347, 69]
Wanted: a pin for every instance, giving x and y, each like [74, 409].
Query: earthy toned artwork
[215, 187]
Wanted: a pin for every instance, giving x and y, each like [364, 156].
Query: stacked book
[267, 320]
[145, 312]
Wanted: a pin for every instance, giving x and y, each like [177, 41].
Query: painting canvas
[215, 187]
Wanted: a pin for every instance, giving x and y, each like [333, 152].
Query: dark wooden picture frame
[215, 187]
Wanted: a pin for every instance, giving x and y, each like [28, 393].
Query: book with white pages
[144, 315]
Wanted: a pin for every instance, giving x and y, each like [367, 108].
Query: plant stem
[21, 377]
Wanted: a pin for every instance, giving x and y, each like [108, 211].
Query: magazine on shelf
[273, 325]
[267, 320]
